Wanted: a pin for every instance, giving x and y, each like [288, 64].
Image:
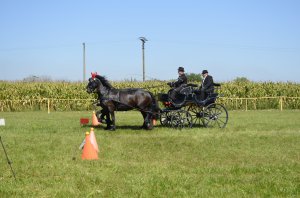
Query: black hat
[181, 69]
[204, 72]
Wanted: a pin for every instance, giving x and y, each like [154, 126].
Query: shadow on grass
[138, 128]
[125, 127]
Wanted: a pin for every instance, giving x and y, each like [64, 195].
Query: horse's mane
[104, 82]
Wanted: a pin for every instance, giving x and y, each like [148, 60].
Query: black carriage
[188, 110]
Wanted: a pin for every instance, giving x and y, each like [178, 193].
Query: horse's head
[98, 84]
[93, 85]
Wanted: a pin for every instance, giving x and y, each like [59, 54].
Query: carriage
[188, 110]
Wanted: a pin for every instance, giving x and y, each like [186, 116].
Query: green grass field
[256, 155]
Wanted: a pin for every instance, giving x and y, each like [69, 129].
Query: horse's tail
[155, 107]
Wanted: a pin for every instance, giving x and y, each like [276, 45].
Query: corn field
[67, 96]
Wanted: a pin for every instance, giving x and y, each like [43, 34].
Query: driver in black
[177, 85]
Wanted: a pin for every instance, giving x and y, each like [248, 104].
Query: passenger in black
[178, 85]
[207, 86]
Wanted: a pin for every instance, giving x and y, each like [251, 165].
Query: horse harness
[116, 98]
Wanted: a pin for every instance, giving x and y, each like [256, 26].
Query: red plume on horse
[94, 74]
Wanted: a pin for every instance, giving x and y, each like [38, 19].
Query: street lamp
[143, 39]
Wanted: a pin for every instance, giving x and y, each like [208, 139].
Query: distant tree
[129, 80]
[192, 77]
[33, 78]
[241, 79]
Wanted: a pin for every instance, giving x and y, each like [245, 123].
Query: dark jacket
[208, 84]
[180, 81]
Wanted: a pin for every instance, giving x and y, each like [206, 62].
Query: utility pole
[143, 39]
[84, 67]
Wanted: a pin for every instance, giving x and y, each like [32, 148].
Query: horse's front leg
[107, 118]
[102, 115]
[113, 121]
[106, 114]
[111, 110]
[148, 121]
[144, 116]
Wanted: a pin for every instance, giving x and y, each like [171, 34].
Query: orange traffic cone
[95, 121]
[89, 152]
[93, 140]
[154, 122]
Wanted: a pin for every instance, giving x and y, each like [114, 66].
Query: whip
[8, 161]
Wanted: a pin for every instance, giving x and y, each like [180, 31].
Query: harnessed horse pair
[112, 100]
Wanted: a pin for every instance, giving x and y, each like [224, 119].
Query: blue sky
[256, 39]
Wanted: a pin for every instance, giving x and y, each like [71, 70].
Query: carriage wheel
[165, 118]
[181, 119]
[196, 112]
[187, 119]
[215, 115]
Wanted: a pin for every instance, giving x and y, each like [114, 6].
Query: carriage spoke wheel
[181, 119]
[215, 115]
[165, 118]
[196, 112]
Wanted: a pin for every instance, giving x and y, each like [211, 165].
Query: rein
[151, 87]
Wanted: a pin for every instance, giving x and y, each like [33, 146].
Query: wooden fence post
[281, 103]
[246, 104]
[48, 105]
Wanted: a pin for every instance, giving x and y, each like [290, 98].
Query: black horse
[112, 100]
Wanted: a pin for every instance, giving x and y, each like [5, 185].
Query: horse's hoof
[148, 126]
[102, 121]
[110, 128]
